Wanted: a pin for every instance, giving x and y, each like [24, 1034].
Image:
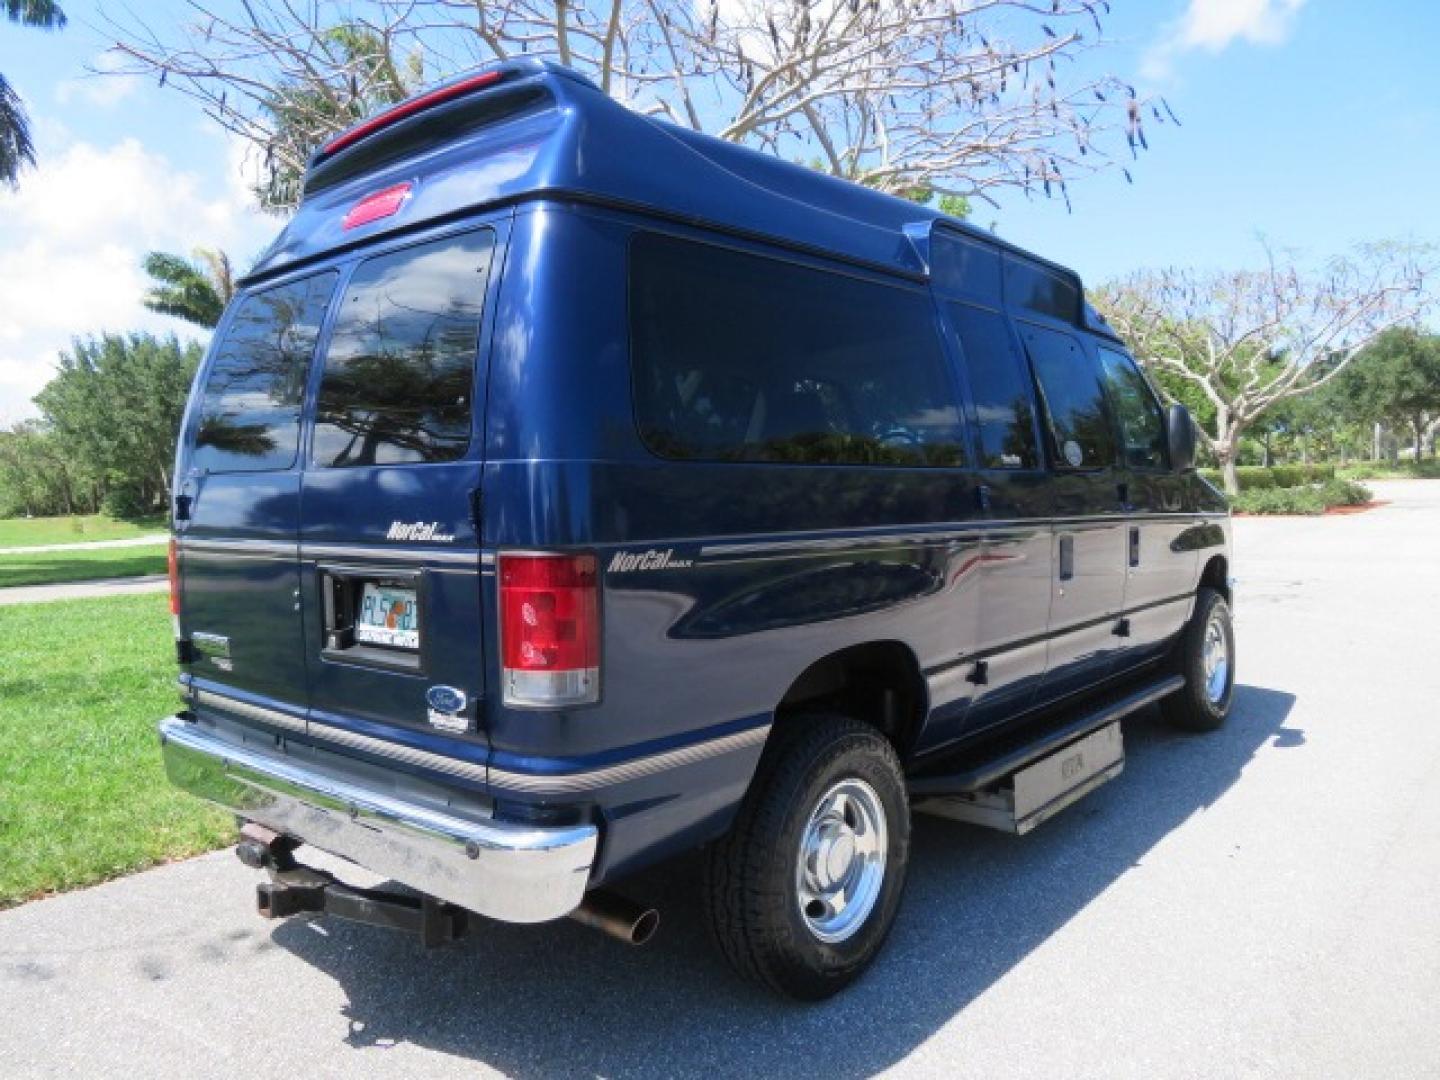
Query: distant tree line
[1384, 406]
[106, 434]
[105, 438]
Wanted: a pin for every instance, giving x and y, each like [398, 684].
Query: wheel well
[878, 682]
[1216, 576]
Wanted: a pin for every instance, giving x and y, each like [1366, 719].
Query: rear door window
[399, 376]
[1137, 412]
[1001, 388]
[1072, 386]
[250, 410]
[738, 357]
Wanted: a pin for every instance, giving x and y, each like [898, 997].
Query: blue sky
[1315, 123]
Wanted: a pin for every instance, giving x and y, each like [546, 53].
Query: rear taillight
[172, 567]
[549, 629]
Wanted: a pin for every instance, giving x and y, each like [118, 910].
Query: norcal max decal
[625, 561]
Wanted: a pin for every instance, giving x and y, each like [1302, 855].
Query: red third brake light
[549, 629]
[410, 108]
[376, 205]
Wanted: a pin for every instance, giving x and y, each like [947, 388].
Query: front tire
[803, 890]
[1205, 655]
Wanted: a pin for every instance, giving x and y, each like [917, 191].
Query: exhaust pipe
[618, 916]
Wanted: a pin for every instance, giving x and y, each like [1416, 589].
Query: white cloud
[1214, 25]
[71, 242]
[103, 88]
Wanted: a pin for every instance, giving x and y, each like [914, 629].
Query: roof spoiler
[464, 85]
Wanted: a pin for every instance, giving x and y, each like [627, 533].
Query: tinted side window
[250, 411]
[1000, 387]
[1040, 289]
[964, 266]
[742, 358]
[1142, 424]
[1072, 386]
[400, 367]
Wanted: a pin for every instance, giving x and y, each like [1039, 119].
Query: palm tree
[16, 149]
[194, 291]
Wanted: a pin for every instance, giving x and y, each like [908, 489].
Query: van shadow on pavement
[561, 1000]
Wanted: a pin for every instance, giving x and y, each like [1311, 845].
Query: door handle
[1134, 545]
[1067, 557]
[184, 501]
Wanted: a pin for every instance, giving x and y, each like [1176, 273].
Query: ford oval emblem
[446, 699]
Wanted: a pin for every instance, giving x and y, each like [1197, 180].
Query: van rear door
[389, 546]
[237, 508]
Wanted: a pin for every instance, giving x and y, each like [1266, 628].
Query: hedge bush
[1306, 499]
[1260, 478]
[1344, 493]
[1428, 469]
[1296, 500]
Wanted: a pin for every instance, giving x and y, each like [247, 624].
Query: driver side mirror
[1180, 430]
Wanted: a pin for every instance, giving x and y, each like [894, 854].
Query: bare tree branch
[1250, 339]
[959, 97]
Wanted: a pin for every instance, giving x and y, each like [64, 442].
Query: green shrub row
[1340, 492]
[1260, 478]
[1298, 500]
[1305, 499]
[1428, 469]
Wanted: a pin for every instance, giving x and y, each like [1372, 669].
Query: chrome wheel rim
[841, 866]
[1216, 657]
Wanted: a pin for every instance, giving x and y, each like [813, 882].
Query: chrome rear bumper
[513, 872]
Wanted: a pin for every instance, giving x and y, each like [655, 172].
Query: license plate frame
[388, 615]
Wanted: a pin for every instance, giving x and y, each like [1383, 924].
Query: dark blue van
[564, 490]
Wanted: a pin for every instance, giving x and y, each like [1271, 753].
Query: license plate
[388, 616]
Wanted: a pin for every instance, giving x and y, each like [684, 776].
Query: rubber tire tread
[748, 884]
[1188, 708]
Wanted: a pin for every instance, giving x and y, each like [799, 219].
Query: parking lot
[1260, 902]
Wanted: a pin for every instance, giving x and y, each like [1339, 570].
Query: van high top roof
[528, 128]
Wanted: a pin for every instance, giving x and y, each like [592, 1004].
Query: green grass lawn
[80, 529]
[44, 568]
[83, 796]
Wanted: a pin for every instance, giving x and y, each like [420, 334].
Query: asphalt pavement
[1264, 901]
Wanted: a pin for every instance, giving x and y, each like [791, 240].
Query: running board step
[1040, 790]
[1013, 753]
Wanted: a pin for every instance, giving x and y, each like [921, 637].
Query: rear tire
[803, 890]
[1205, 655]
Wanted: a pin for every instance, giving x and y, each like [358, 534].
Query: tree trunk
[1417, 425]
[1227, 448]
[1228, 474]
